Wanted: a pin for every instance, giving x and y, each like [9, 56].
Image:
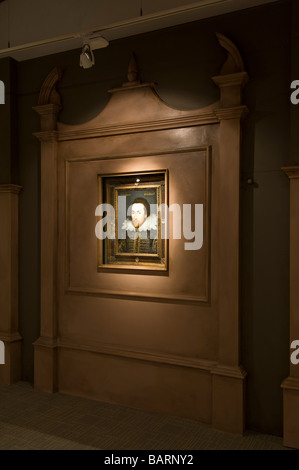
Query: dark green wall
[181, 60]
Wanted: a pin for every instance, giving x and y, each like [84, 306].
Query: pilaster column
[228, 406]
[9, 283]
[9, 228]
[45, 348]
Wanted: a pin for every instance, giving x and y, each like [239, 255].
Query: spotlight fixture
[86, 57]
[89, 45]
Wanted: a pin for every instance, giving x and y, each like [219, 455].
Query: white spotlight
[86, 57]
[91, 43]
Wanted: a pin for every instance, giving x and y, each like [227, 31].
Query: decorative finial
[234, 62]
[133, 70]
[48, 93]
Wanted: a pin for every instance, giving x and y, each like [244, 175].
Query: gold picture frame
[134, 225]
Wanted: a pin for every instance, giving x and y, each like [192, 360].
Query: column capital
[291, 171]
[10, 188]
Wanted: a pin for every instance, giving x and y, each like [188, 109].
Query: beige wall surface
[94, 313]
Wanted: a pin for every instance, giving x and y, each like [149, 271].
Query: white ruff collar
[150, 223]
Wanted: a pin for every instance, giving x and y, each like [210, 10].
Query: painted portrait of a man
[140, 228]
[136, 220]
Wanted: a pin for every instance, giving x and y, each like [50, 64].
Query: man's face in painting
[138, 214]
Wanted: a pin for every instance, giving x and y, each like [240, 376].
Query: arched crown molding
[134, 98]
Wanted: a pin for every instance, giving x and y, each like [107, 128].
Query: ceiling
[40, 27]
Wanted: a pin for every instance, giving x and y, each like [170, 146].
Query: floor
[32, 420]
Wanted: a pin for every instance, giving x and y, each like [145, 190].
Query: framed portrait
[133, 230]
